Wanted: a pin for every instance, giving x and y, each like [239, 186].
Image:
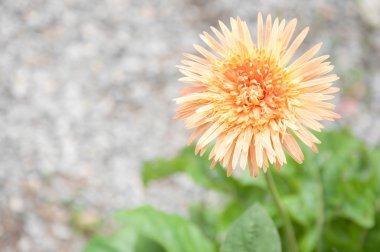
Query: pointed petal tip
[314, 149]
[229, 173]
[293, 22]
[212, 166]
[299, 161]
[337, 116]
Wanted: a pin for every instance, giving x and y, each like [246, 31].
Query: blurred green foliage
[332, 199]
[253, 231]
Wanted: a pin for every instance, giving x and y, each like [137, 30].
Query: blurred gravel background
[86, 95]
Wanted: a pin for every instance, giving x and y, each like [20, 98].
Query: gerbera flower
[252, 98]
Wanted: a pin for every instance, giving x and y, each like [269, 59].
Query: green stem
[289, 230]
[321, 214]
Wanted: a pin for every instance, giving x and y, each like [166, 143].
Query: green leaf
[159, 168]
[231, 212]
[344, 235]
[198, 168]
[205, 218]
[145, 244]
[307, 242]
[371, 242]
[307, 201]
[254, 231]
[375, 164]
[122, 241]
[349, 179]
[172, 232]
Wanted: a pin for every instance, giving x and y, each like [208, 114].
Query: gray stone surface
[86, 92]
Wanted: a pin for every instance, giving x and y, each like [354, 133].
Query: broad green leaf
[101, 244]
[254, 231]
[144, 244]
[122, 241]
[172, 232]
[231, 212]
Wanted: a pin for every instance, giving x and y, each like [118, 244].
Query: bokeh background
[86, 95]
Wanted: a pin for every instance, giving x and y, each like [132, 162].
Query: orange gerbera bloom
[252, 98]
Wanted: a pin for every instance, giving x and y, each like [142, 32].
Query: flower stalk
[289, 230]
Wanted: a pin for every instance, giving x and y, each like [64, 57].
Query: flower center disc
[256, 91]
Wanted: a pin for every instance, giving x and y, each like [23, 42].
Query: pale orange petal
[250, 100]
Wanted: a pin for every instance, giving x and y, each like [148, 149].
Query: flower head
[252, 98]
